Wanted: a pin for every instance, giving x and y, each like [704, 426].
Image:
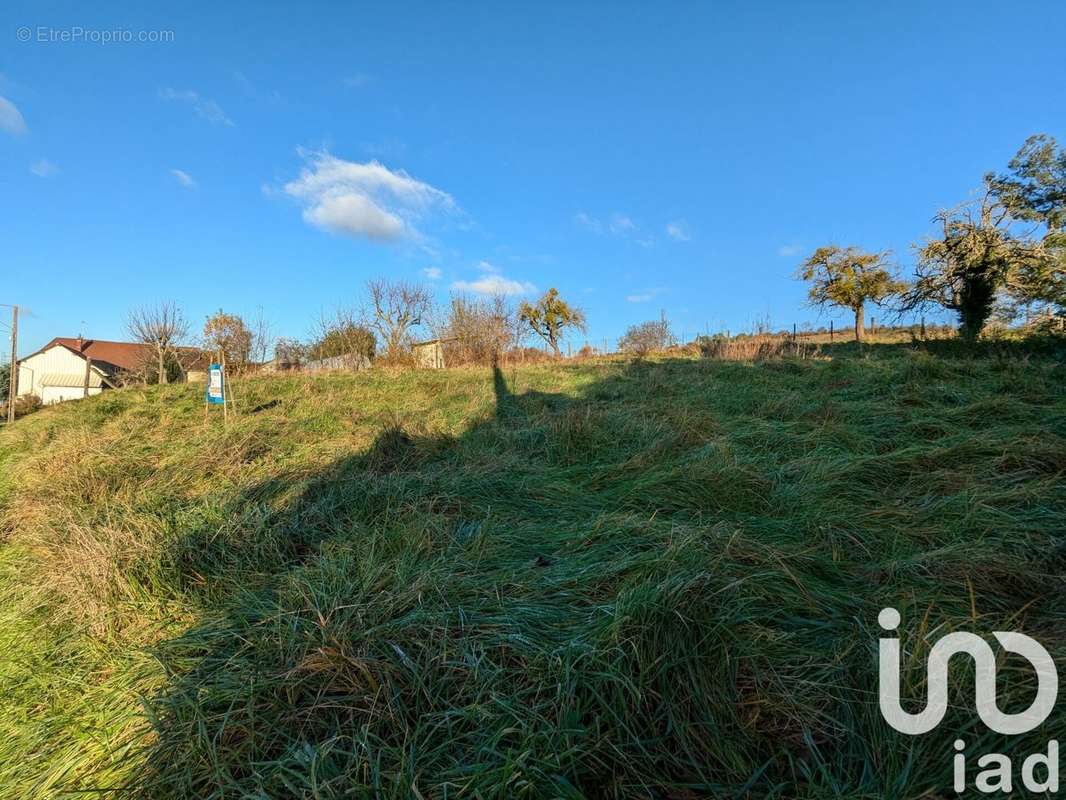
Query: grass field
[609, 579]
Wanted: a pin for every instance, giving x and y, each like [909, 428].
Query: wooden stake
[225, 386]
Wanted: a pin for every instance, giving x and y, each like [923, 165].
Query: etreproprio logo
[998, 773]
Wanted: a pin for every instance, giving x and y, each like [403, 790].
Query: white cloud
[355, 215]
[678, 230]
[363, 200]
[495, 284]
[184, 178]
[11, 118]
[646, 295]
[485, 266]
[620, 224]
[208, 109]
[433, 273]
[43, 168]
[586, 221]
[787, 250]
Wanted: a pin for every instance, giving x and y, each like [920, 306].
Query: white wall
[55, 360]
[57, 394]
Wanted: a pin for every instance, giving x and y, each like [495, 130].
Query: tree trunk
[859, 323]
[975, 302]
[162, 367]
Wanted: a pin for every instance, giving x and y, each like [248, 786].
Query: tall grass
[596, 580]
[755, 347]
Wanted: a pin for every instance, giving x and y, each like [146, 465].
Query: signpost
[216, 389]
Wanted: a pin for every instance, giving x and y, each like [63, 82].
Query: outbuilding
[429, 354]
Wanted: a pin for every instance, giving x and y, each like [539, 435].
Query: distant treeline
[999, 258]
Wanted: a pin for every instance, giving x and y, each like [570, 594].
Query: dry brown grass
[757, 348]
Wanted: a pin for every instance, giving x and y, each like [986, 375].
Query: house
[67, 368]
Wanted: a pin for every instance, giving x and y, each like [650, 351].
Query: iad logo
[999, 776]
[985, 665]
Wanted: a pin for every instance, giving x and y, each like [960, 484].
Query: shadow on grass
[271, 532]
[423, 614]
[596, 595]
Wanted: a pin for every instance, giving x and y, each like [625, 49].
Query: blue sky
[639, 157]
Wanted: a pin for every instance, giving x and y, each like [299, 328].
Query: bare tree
[160, 327]
[343, 335]
[647, 337]
[394, 307]
[289, 353]
[478, 331]
[262, 337]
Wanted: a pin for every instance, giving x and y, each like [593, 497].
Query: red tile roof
[124, 355]
[118, 355]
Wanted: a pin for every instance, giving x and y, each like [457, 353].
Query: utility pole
[88, 371]
[13, 373]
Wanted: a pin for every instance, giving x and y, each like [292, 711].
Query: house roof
[123, 355]
[109, 356]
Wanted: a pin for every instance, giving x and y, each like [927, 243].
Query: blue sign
[216, 383]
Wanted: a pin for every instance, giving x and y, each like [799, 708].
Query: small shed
[429, 354]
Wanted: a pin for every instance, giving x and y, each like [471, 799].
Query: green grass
[594, 580]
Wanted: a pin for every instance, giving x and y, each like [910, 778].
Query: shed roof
[70, 380]
[429, 342]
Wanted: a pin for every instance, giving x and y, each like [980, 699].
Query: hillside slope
[607, 580]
